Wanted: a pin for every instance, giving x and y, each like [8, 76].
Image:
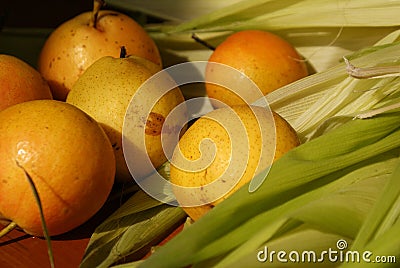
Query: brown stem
[122, 53]
[202, 42]
[97, 5]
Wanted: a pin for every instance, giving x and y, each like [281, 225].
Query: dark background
[26, 24]
[40, 13]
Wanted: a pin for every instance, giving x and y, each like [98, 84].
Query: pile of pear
[89, 71]
[61, 124]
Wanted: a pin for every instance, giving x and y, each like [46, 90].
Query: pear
[104, 91]
[268, 60]
[244, 141]
[20, 82]
[78, 42]
[68, 157]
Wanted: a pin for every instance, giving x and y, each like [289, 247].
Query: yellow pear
[223, 150]
[105, 90]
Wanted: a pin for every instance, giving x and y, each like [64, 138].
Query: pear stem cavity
[97, 5]
[39, 203]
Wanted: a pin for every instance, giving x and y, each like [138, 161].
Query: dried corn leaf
[309, 102]
[132, 230]
[274, 15]
[182, 10]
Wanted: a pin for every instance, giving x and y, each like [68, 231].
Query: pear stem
[39, 203]
[202, 42]
[97, 5]
[122, 53]
[11, 226]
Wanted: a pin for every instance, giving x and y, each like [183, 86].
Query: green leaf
[384, 214]
[290, 176]
[302, 240]
[359, 188]
[386, 247]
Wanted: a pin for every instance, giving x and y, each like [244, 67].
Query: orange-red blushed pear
[67, 155]
[267, 59]
[76, 44]
[20, 82]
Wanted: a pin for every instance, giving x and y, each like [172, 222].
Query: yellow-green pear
[105, 90]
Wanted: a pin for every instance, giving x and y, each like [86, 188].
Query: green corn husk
[330, 202]
[379, 231]
[386, 212]
[386, 245]
[298, 172]
[301, 240]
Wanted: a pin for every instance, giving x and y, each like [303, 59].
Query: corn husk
[183, 10]
[322, 31]
[130, 232]
[335, 96]
[307, 175]
[378, 232]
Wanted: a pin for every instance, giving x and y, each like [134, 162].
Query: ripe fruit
[105, 90]
[20, 82]
[80, 41]
[265, 58]
[230, 163]
[67, 155]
